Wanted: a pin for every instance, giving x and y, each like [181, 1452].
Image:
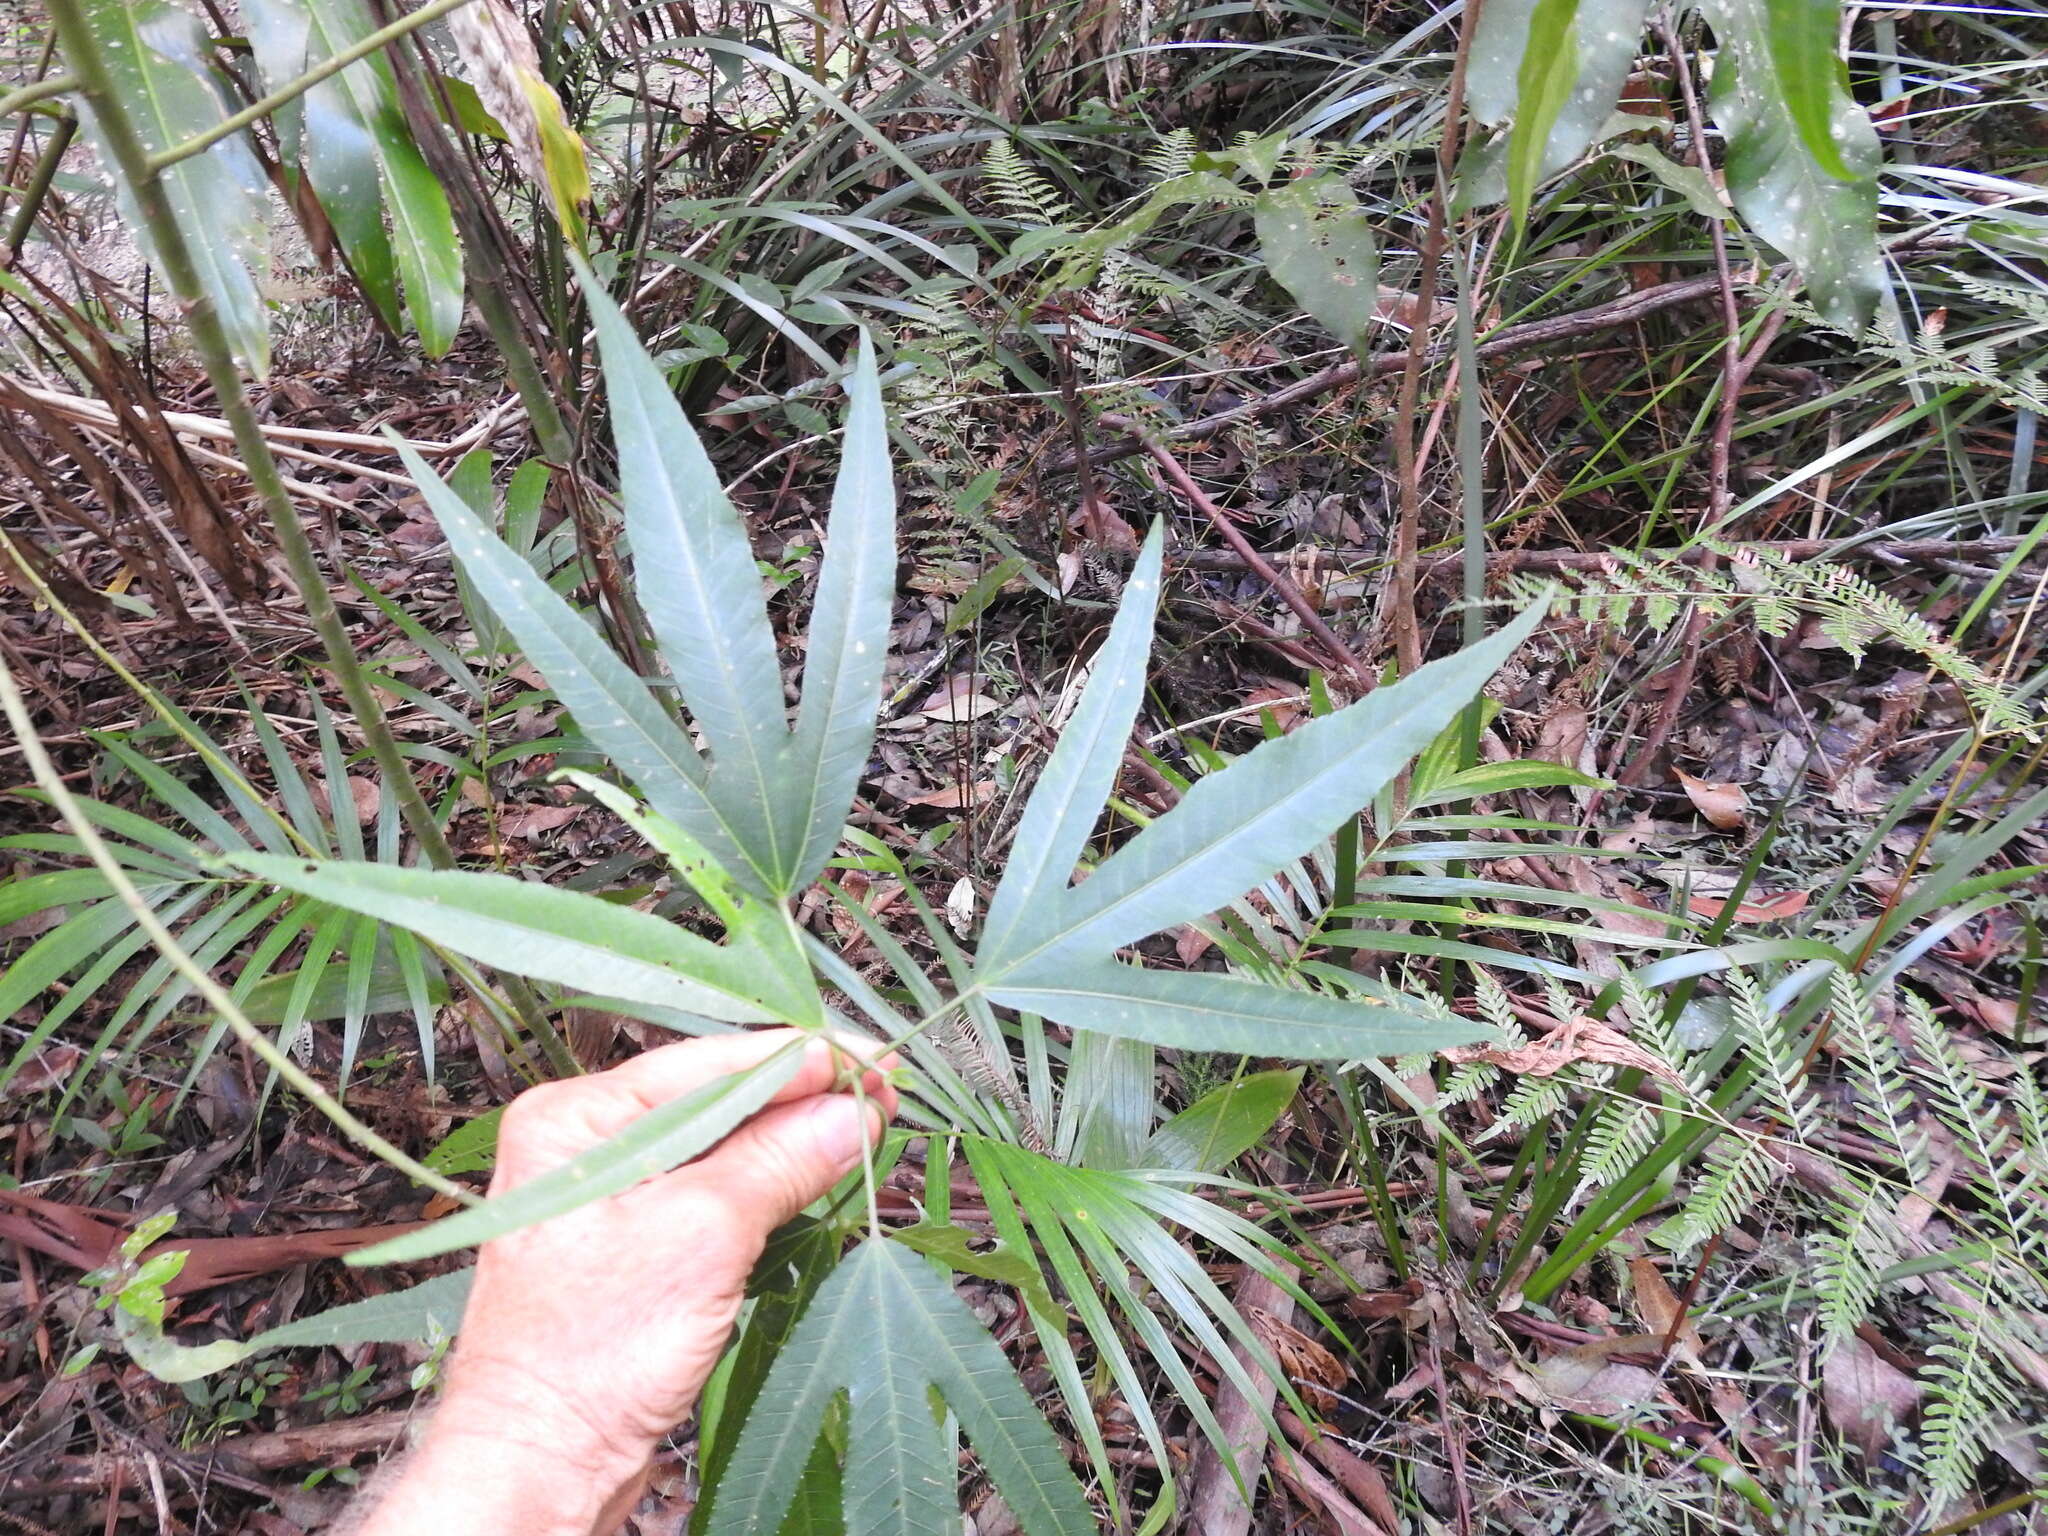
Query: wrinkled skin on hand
[587, 1338]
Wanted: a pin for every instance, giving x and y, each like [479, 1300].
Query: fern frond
[1850, 1253]
[1020, 190]
[1777, 1056]
[1879, 1074]
[1738, 1173]
[1171, 156]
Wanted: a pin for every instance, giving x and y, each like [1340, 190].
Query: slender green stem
[40, 90]
[132, 163]
[39, 182]
[284, 95]
[217, 997]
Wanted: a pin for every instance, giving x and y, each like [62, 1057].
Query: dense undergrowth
[1591, 1083]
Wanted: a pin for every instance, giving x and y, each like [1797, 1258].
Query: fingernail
[843, 1129]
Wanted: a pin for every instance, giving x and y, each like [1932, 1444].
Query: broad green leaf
[1805, 39]
[954, 1247]
[665, 1137]
[1084, 765]
[612, 707]
[887, 1331]
[695, 574]
[1600, 43]
[1688, 181]
[1108, 1105]
[1201, 1011]
[530, 929]
[158, 56]
[1223, 1124]
[401, 1317]
[1543, 87]
[1826, 224]
[848, 642]
[471, 1147]
[1316, 242]
[1233, 829]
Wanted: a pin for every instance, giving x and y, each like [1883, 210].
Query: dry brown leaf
[1754, 909]
[1285, 704]
[955, 701]
[1190, 944]
[1588, 1379]
[1724, 805]
[1315, 1372]
[1577, 1039]
[1660, 1309]
[532, 820]
[1866, 1395]
[1564, 738]
[957, 797]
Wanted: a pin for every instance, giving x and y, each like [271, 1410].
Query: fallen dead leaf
[1662, 1312]
[1724, 805]
[957, 797]
[1284, 704]
[1754, 909]
[1313, 1369]
[955, 701]
[1577, 1039]
[528, 821]
[1866, 1395]
[1588, 1379]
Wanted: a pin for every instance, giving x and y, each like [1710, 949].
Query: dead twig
[1176, 474]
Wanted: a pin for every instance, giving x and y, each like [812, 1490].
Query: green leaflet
[1599, 38]
[1232, 830]
[780, 796]
[1195, 1010]
[1544, 85]
[696, 578]
[888, 1332]
[847, 646]
[657, 1141]
[408, 1316]
[611, 706]
[1077, 779]
[536, 930]
[1798, 203]
[158, 57]
[1223, 1124]
[1318, 245]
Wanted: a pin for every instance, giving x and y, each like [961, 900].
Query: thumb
[788, 1156]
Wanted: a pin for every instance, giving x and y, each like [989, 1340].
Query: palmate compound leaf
[771, 805]
[888, 1332]
[1050, 948]
[784, 793]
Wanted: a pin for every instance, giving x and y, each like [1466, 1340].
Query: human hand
[588, 1337]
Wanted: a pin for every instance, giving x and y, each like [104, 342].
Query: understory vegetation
[1400, 648]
